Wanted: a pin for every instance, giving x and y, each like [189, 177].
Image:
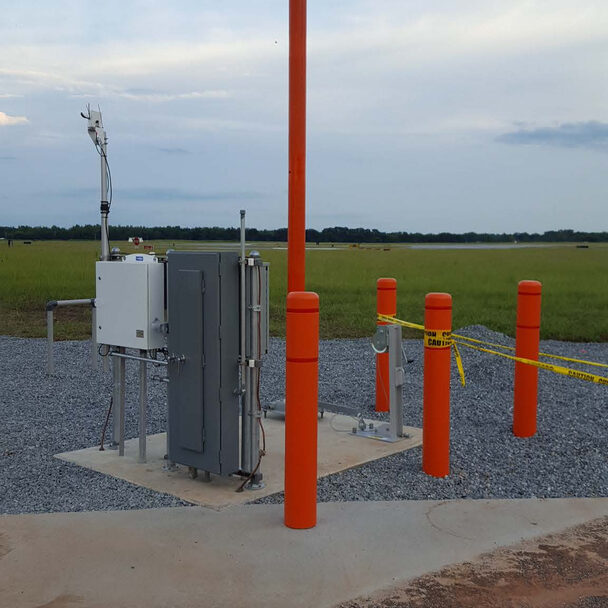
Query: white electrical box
[130, 302]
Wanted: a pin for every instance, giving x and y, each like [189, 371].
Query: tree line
[336, 234]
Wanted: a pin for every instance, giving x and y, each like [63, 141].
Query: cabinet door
[203, 318]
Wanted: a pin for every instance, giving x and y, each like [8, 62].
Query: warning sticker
[437, 338]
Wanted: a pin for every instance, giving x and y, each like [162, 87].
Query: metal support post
[93, 337]
[121, 404]
[387, 339]
[250, 424]
[116, 402]
[51, 305]
[49, 345]
[396, 380]
[143, 404]
[105, 207]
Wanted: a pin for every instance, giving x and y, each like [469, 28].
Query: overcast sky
[422, 115]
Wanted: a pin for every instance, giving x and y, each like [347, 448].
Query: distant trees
[336, 234]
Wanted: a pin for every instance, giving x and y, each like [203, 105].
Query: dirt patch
[567, 570]
[63, 601]
[5, 547]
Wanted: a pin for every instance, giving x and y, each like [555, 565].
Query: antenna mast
[98, 135]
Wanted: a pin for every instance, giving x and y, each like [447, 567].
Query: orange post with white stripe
[301, 409]
[386, 304]
[527, 338]
[436, 392]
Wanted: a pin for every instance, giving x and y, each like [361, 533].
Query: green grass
[483, 284]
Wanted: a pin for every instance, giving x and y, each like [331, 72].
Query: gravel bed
[42, 416]
[567, 457]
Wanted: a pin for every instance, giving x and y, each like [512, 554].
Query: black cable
[107, 351]
[103, 155]
[105, 426]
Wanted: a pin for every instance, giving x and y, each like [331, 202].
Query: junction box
[130, 302]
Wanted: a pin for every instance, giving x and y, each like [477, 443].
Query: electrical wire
[100, 151]
[105, 426]
[103, 154]
[262, 452]
[333, 428]
[107, 351]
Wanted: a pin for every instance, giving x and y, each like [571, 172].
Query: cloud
[154, 96]
[590, 134]
[168, 194]
[9, 121]
[8, 158]
[163, 194]
[175, 151]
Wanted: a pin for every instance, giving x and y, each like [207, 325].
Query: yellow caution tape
[389, 319]
[459, 364]
[464, 341]
[558, 369]
[546, 355]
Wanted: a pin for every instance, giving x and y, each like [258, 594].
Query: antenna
[98, 136]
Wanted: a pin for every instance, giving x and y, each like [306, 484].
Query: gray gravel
[43, 416]
[567, 457]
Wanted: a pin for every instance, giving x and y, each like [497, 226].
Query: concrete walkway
[244, 556]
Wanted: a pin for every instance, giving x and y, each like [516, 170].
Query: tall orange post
[301, 409]
[527, 339]
[386, 304]
[436, 396]
[296, 230]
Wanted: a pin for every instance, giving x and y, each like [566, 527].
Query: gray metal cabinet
[203, 316]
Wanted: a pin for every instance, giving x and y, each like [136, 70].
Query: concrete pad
[244, 556]
[337, 451]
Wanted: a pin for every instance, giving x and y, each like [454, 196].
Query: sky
[422, 116]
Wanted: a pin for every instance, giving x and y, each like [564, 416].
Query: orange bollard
[301, 409]
[436, 399]
[386, 304]
[296, 217]
[525, 392]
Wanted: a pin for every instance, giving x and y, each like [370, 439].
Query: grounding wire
[333, 428]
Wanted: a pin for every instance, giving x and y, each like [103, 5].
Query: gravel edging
[43, 416]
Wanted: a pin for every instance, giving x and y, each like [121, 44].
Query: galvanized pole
[251, 411]
[49, 345]
[143, 404]
[121, 403]
[115, 402]
[105, 206]
[93, 336]
[396, 379]
[243, 304]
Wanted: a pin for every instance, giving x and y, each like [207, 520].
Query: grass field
[482, 282]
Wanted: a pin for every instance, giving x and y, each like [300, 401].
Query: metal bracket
[388, 339]
[380, 339]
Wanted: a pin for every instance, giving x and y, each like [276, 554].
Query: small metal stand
[388, 338]
[119, 357]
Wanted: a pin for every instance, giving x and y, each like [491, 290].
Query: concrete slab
[337, 451]
[244, 556]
